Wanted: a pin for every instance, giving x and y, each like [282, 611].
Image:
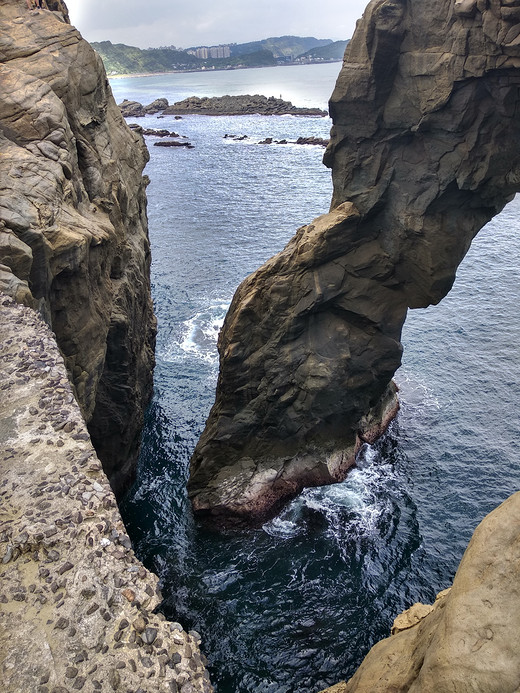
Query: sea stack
[73, 227]
[424, 150]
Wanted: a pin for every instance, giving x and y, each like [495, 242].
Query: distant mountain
[119, 58]
[281, 46]
[332, 51]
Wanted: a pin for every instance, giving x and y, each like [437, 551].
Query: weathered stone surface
[156, 106]
[424, 151]
[289, 403]
[132, 109]
[238, 105]
[469, 639]
[73, 228]
[72, 592]
[425, 113]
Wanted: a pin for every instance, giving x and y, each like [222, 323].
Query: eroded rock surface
[425, 149]
[238, 105]
[467, 641]
[77, 609]
[73, 228]
[218, 105]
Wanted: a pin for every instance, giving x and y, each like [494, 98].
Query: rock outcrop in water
[424, 151]
[468, 640]
[73, 227]
[245, 104]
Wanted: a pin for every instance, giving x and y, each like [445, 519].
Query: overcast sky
[210, 22]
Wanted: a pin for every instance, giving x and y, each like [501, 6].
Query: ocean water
[304, 85]
[295, 605]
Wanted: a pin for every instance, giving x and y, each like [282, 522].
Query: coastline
[226, 69]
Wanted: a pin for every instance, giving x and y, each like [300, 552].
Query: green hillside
[332, 51]
[119, 58]
[126, 60]
[281, 46]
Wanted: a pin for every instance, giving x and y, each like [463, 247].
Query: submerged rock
[159, 133]
[424, 150]
[172, 143]
[317, 141]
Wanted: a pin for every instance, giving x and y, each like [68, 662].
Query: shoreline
[222, 69]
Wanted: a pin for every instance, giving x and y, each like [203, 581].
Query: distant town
[120, 59]
[203, 52]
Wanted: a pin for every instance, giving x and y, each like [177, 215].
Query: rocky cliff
[77, 609]
[73, 228]
[424, 151]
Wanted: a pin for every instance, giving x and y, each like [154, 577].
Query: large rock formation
[78, 611]
[73, 228]
[424, 151]
[468, 640]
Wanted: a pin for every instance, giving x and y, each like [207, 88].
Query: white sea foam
[283, 527]
[353, 507]
[416, 393]
[197, 336]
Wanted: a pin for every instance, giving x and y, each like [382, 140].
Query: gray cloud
[208, 22]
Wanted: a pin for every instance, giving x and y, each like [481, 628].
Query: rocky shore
[77, 609]
[467, 640]
[218, 106]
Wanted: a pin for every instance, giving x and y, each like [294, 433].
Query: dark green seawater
[294, 606]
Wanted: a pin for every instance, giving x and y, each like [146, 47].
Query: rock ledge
[76, 606]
